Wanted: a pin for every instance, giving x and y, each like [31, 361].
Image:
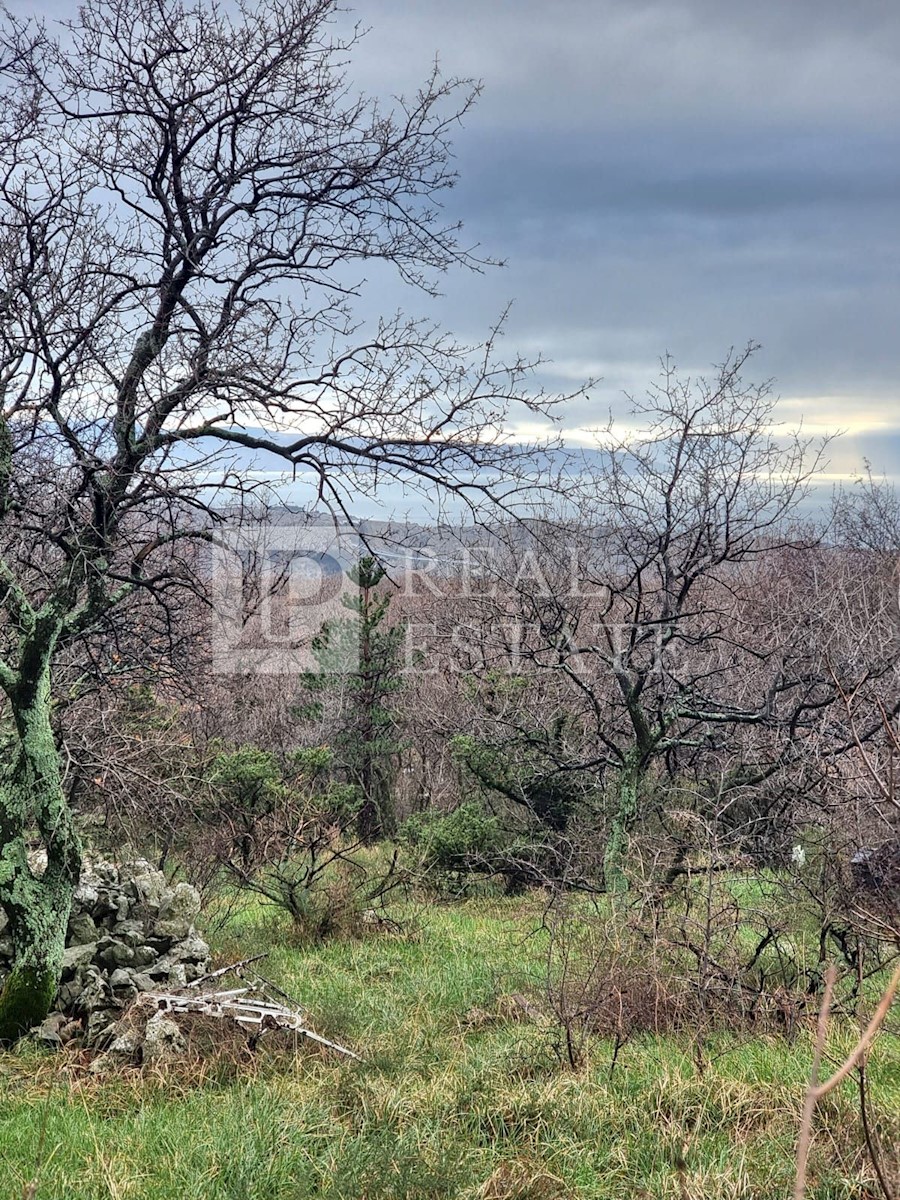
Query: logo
[274, 586]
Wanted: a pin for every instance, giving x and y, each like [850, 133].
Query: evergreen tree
[359, 666]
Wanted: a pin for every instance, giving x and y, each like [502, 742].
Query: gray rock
[144, 956]
[49, 1029]
[129, 932]
[186, 960]
[191, 949]
[171, 930]
[82, 929]
[122, 1048]
[121, 978]
[137, 869]
[85, 895]
[149, 890]
[163, 1040]
[99, 1024]
[77, 956]
[67, 996]
[95, 995]
[112, 953]
[178, 912]
[120, 955]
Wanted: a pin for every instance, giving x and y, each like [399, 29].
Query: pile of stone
[130, 932]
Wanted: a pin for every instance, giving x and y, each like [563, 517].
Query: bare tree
[658, 604]
[186, 191]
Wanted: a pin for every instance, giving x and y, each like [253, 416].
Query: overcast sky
[677, 175]
[684, 175]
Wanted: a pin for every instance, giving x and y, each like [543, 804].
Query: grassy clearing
[456, 1098]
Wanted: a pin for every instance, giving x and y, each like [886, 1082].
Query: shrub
[454, 841]
[247, 785]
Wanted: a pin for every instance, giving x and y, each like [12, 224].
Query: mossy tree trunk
[623, 821]
[33, 807]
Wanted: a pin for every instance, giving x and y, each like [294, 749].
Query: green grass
[448, 1103]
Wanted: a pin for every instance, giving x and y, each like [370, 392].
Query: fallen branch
[236, 968]
[258, 1015]
[256, 981]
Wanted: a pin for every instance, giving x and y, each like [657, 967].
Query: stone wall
[129, 932]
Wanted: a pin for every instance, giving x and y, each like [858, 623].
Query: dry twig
[817, 1090]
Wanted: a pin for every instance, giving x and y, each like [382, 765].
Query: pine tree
[360, 667]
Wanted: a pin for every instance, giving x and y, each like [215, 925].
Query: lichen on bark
[37, 903]
[623, 821]
[27, 991]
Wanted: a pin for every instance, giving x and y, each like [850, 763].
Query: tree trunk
[36, 901]
[38, 915]
[368, 822]
[623, 821]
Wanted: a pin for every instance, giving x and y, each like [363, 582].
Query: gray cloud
[681, 176]
[589, 63]
[675, 175]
